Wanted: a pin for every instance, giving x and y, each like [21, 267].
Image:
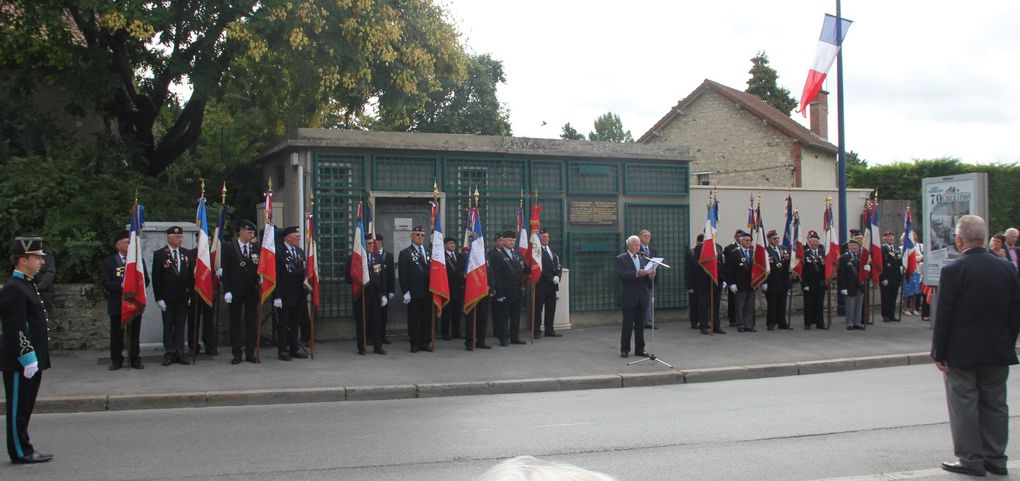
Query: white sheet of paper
[653, 264]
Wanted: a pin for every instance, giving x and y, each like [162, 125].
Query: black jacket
[847, 274]
[112, 273]
[413, 271]
[633, 290]
[699, 279]
[892, 264]
[290, 275]
[551, 267]
[978, 312]
[25, 326]
[169, 283]
[240, 273]
[738, 268]
[389, 274]
[779, 269]
[455, 274]
[507, 274]
[813, 273]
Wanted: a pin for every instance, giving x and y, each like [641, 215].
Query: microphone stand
[651, 344]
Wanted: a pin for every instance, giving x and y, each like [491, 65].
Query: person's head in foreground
[528, 468]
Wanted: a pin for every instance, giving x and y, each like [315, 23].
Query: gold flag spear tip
[269, 183]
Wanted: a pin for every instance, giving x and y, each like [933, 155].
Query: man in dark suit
[368, 306]
[812, 282]
[454, 310]
[731, 301]
[648, 251]
[507, 275]
[24, 347]
[777, 285]
[973, 344]
[413, 271]
[200, 318]
[240, 261]
[891, 277]
[290, 296]
[173, 278]
[738, 273]
[389, 278]
[112, 273]
[709, 293]
[547, 288]
[849, 285]
[635, 284]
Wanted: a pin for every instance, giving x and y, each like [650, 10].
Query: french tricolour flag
[909, 247]
[476, 285]
[439, 284]
[825, 55]
[203, 263]
[132, 302]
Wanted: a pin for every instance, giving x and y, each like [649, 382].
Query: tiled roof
[752, 104]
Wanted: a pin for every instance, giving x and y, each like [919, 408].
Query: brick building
[737, 139]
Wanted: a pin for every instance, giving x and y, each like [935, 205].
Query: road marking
[920, 473]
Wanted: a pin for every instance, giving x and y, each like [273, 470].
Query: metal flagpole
[534, 308]
[311, 310]
[840, 124]
[194, 307]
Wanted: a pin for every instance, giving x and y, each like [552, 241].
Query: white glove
[885, 282]
[390, 295]
[501, 299]
[842, 291]
[31, 369]
[733, 288]
[690, 291]
[407, 297]
[219, 272]
[556, 280]
[162, 305]
[278, 303]
[807, 288]
[764, 287]
[724, 286]
[867, 267]
[228, 298]
[384, 301]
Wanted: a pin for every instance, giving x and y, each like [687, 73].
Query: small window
[704, 178]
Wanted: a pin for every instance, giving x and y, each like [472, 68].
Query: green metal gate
[594, 285]
[338, 181]
[669, 225]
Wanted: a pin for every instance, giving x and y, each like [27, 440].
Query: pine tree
[763, 84]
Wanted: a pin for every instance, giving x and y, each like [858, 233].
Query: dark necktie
[246, 250]
[177, 261]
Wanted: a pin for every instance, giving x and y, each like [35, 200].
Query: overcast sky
[923, 79]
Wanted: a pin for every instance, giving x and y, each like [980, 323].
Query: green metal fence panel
[594, 285]
[491, 176]
[553, 219]
[338, 181]
[547, 176]
[404, 172]
[593, 178]
[670, 227]
[656, 179]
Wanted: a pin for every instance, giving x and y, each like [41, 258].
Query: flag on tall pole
[831, 242]
[267, 254]
[865, 247]
[369, 219]
[750, 216]
[132, 301]
[708, 258]
[217, 243]
[476, 286]
[534, 253]
[439, 284]
[312, 253]
[760, 268]
[203, 264]
[876, 243]
[522, 234]
[909, 247]
[468, 226]
[788, 225]
[359, 256]
[797, 251]
[825, 55]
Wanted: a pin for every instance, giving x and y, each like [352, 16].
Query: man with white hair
[635, 286]
[1012, 251]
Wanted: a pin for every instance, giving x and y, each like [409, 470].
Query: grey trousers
[978, 415]
[854, 306]
[744, 309]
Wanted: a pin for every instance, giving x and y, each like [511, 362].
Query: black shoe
[553, 334]
[807, 328]
[741, 329]
[252, 359]
[457, 335]
[719, 331]
[414, 348]
[426, 347]
[894, 320]
[212, 352]
[137, 365]
[504, 343]
[850, 328]
[361, 352]
[115, 366]
[771, 328]
[537, 335]
[483, 346]
[991, 468]
[447, 338]
[298, 355]
[35, 457]
[648, 326]
[823, 328]
[385, 341]
[236, 360]
[959, 468]
[167, 360]
[284, 356]
[859, 328]
[750, 329]
[182, 360]
[379, 350]
[706, 332]
[642, 354]
[886, 319]
[517, 341]
[624, 355]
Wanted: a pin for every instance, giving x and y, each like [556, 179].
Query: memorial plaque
[593, 212]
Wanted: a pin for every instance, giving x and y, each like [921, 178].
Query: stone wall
[78, 318]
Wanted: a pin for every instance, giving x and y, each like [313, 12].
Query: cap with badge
[418, 228]
[544, 230]
[174, 230]
[121, 236]
[812, 235]
[509, 234]
[449, 239]
[772, 233]
[27, 245]
[246, 225]
[290, 230]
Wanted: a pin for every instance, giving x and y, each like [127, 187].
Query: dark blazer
[389, 275]
[551, 267]
[633, 290]
[455, 274]
[24, 324]
[290, 275]
[700, 281]
[240, 274]
[413, 271]
[847, 274]
[814, 269]
[112, 273]
[892, 263]
[507, 274]
[978, 312]
[738, 268]
[169, 283]
[779, 269]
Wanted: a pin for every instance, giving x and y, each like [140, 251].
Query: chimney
[819, 110]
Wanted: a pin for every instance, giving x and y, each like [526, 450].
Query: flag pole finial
[202, 186]
[435, 190]
[223, 194]
[476, 196]
[269, 184]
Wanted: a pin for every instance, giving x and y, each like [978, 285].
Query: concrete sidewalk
[584, 358]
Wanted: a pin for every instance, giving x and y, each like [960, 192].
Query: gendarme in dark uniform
[777, 285]
[24, 347]
[112, 272]
[240, 264]
[813, 282]
[173, 278]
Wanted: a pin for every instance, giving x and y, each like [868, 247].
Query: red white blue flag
[203, 263]
[132, 301]
[708, 259]
[439, 284]
[909, 247]
[267, 255]
[476, 286]
[825, 55]
[359, 257]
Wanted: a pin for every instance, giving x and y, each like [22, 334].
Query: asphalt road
[876, 424]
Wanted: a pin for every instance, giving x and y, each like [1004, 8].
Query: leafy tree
[609, 128]
[852, 158]
[467, 106]
[123, 59]
[763, 84]
[570, 133]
